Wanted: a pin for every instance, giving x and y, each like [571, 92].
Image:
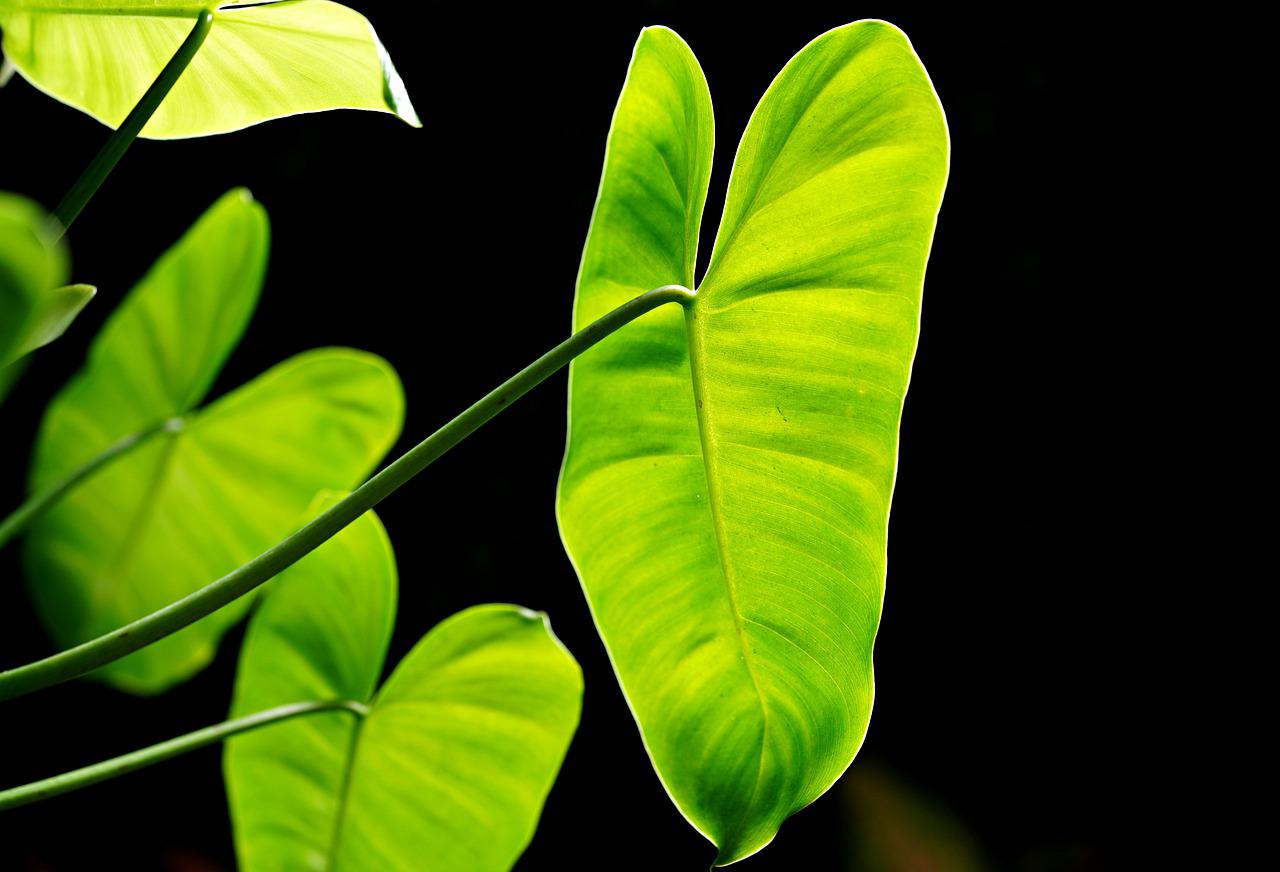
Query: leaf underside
[726, 485]
[451, 767]
[188, 506]
[259, 62]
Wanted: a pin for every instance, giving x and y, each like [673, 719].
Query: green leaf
[218, 487]
[259, 62]
[453, 763]
[52, 315]
[725, 491]
[34, 310]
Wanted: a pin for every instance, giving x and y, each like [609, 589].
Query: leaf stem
[36, 505]
[90, 655]
[97, 171]
[126, 763]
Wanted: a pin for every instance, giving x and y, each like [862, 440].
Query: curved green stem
[20, 517]
[112, 646]
[124, 764]
[97, 171]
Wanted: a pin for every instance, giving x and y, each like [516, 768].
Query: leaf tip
[242, 198]
[533, 615]
[661, 31]
[739, 849]
[394, 92]
[82, 292]
[542, 621]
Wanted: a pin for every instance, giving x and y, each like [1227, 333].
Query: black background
[452, 252]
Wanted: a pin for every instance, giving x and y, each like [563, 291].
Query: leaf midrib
[695, 339]
[344, 791]
[146, 513]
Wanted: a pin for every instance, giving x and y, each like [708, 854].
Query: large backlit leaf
[725, 492]
[195, 501]
[259, 61]
[34, 308]
[450, 768]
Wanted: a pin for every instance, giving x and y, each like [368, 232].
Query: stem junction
[120, 642]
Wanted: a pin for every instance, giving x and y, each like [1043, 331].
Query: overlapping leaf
[450, 768]
[35, 308]
[224, 482]
[260, 61]
[726, 486]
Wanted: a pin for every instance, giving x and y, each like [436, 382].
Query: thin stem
[112, 646]
[36, 505]
[97, 171]
[116, 766]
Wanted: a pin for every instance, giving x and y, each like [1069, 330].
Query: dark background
[452, 252]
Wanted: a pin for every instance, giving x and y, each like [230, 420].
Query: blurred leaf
[452, 765]
[52, 315]
[898, 829]
[34, 310]
[198, 500]
[259, 62]
[725, 492]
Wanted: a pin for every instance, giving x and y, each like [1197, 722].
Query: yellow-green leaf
[450, 768]
[218, 487]
[260, 61]
[725, 491]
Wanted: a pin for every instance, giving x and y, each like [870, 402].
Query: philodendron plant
[725, 489]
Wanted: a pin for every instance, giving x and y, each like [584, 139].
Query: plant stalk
[36, 505]
[97, 171]
[116, 766]
[107, 648]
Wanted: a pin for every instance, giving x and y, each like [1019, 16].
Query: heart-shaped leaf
[725, 491]
[220, 486]
[34, 308]
[450, 768]
[260, 61]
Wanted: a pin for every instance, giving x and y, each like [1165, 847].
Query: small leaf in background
[896, 828]
[448, 771]
[726, 485]
[259, 62]
[192, 503]
[34, 309]
[52, 315]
